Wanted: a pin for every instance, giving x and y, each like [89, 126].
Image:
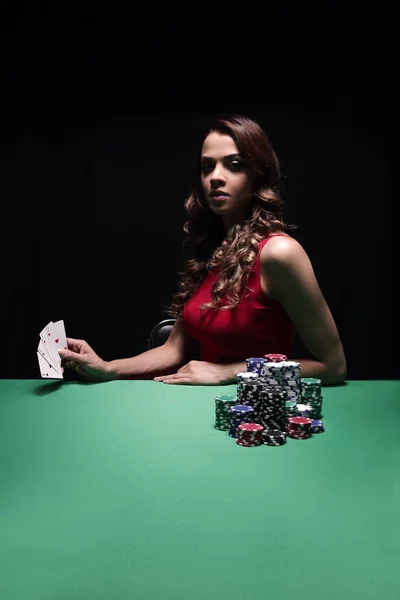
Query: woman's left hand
[199, 372]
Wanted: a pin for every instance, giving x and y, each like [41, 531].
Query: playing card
[57, 340]
[44, 354]
[45, 337]
[46, 369]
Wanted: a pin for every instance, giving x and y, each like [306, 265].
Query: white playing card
[46, 370]
[44, 354]
[57, 340]
[45, 337]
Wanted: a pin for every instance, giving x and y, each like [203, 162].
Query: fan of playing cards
[52, 338]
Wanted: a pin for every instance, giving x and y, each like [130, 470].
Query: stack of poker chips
[290, 382]
[283, 373]
[311, 394]
[278, 380]
[249, 435]
[272, 410]
[255, 365]
[222, 405]
[239, 414]
[317, 426]
[272, 374]
[273, 402]
[299, 428]
[249, 391]
[290, 409]
[274, 437]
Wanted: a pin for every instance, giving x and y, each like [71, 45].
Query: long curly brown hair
[207, 245]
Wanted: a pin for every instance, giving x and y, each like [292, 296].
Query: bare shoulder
[281, 249]
[283, 257]
[289, 276]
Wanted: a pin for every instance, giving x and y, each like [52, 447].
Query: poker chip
[291, 375]
[297, 436]
[311, 393]
[275, 357]
[249, 388]
[271, 374]
[299, 428]
[249, 434]
[274, 437]
[255, 365]
[222, 406]
[310, 382]
[304, 410]
[274, 441]
[239, 414]
[301, 423]
[272, 408]
[246, 445]
[317, 426]
[291, 408]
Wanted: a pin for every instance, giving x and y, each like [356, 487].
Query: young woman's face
[226, 183]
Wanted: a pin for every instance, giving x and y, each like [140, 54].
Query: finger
[74, 344]
[179, 380]
[69, 354]
[74, 341]
[164, 377]
[79, 346]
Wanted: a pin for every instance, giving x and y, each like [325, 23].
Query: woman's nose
[217, 175]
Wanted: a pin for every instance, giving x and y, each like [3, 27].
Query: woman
[247, 286]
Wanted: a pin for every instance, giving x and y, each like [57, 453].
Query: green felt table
[126, 490]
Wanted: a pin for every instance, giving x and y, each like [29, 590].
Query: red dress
[255, 327]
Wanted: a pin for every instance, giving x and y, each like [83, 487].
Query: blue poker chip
[240, 408]
[317, 426]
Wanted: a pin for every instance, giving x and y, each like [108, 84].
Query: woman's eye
[233, 165]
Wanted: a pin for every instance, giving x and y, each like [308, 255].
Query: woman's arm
[290, 277]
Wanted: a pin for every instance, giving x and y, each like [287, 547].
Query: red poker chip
[294, 430]
[299, 429]
[244, 432]
[275, 357]
[250, 427]
[299, 421]
[247, 444]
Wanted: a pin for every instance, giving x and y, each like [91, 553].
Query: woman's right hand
[81, 358]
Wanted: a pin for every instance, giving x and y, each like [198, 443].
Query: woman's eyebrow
[236, 155]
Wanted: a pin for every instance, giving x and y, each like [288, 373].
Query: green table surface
[126, 490]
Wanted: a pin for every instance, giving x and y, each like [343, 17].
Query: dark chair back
[160, 333]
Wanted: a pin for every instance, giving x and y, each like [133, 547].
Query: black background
[102, 109]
